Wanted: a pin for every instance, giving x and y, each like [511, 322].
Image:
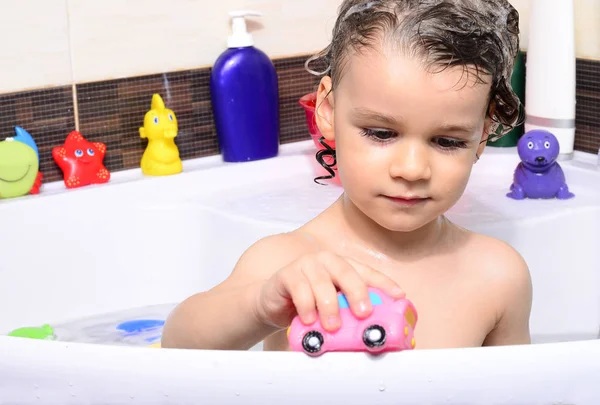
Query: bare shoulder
[274, 251]
[266, 256]
[498, 261]
[507, 281]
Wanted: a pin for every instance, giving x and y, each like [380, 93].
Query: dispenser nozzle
[240, 37]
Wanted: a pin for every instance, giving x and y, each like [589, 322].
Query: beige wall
[58, 42]
[587, 26]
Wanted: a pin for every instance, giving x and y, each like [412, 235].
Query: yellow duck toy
[161, 157]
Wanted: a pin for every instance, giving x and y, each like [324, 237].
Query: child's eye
[379, 135]
[448, 143]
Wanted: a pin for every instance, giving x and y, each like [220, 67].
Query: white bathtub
[143, 241]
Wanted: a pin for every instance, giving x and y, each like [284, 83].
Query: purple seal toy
[539, 175]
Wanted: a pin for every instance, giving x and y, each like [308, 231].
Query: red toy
[81, 161]
[37, 185]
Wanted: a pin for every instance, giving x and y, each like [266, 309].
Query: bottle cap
[240, 37]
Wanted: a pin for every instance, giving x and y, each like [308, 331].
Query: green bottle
[518, 84]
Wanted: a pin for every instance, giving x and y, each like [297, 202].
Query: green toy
[45, 332]
[19, 166]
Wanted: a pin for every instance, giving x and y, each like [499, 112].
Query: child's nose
[411, 163]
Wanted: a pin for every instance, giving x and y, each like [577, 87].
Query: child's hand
[309, 285]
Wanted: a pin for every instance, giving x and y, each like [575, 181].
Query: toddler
[410, 93]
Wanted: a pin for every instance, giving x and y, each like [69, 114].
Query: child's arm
[224, 317]
[515, 290]
[277, 278]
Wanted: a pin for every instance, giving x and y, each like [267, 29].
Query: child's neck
[396, 245]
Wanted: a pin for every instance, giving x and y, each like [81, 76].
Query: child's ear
[324, 109]
[489, 129]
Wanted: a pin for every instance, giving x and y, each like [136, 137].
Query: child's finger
[352, 285]
[325, 294]
[378, 279]
[298, 288]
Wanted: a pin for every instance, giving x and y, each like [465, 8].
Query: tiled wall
[587, 114]
[112, 112]
[95, 64]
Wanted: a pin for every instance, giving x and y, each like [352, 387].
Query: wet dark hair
[482, 36]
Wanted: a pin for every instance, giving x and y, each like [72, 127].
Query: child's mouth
[407, 201]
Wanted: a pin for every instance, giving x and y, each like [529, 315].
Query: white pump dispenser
[550, 90]
[240, 37]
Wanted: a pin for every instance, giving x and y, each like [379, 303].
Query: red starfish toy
[81, 161]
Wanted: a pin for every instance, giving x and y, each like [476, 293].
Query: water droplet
[35, 386]
[237, 394]
[430, 380]
[73, 395]
[381, 387]
[166, 395]
[71, 384]
[37, 396]
[131, 397]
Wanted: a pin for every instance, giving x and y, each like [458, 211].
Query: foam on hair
[482, 36]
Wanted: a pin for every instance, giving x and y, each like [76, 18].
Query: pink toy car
[390, 327]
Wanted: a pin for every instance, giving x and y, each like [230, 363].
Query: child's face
[403, 132]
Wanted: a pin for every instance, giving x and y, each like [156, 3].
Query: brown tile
[114, 161]
[587, 115]
[294, 82]
[114, 111]
[587, 139]
[132, 157]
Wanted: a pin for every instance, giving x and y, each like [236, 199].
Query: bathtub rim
[437, 374]
[580, 160]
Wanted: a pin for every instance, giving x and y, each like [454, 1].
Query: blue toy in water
[538, 175]
[140, 326]
[148, 329]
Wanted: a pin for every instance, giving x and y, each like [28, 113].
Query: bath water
[140, 327]
[143, 326]
[131, 327]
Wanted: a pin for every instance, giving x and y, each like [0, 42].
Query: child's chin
[407, 224]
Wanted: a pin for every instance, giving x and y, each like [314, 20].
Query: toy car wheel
[374, 336]
[312, 342]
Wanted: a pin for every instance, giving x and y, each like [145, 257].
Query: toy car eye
[547, 145]
[530, 145]
[78, 153]
[374, 336]
[171, 117]
[90, 152]
[312, 342]
[156, 120]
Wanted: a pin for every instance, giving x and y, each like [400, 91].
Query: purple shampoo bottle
[245, 97]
